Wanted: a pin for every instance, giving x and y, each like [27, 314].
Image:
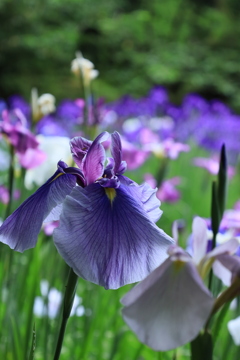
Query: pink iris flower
[14, 127]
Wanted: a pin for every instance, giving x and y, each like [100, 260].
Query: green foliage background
[186, 45]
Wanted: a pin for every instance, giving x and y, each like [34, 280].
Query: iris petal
[79, 147]
[200, 239]
[113, 241]
[116, 150]
[146, 197]
[20, 230]
[93, 162]
[169, 307]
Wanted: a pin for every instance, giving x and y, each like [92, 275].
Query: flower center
[111, 193]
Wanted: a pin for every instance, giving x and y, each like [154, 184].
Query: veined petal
[113, 242]
[169, 307]
[146, 197]
[20, 230]
[93, 162]
[54, 214]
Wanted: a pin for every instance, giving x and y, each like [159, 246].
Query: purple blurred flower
[168, 148]
[49, 227]
[170, 307]
[4, 194]
[212, 165]
[172, 148]
[64, 121]
[50, 126]
[133, 155]
[168, 192]
[150, 179]
[109, 219]
[14, 126]
[154, 104]
[229, 228]
[17, 102]
[72, 111]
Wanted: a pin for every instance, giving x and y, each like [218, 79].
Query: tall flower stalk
[67, 307]
[10, 181]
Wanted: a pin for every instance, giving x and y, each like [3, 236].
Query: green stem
[162, 171]
[10, 181]
[67, 307]
[211, 271]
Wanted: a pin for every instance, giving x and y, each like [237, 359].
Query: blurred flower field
[174, 149]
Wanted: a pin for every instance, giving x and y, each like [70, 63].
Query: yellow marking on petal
[111, 193]
[178, 265]
[205, 266]
[57, 176]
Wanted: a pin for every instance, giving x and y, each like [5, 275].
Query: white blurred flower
[43, 105]
[49, 303]
[234, 329]
[57, 148]
[4, 158]
[84, 66]
[50, 307]
[46, 104]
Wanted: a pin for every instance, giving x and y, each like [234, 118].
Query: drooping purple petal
[113, 242]
[169, 307]
[20, 230]
[93, 162]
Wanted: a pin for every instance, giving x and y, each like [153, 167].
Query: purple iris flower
[107, 231]
[72, 111]
[13, 125]
[17, 102]
[50, 126]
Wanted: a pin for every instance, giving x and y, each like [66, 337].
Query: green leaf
[215, 213]
[202, 347]
[33, 347]
[222, 181]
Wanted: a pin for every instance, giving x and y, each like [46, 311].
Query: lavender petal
[113, 242]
